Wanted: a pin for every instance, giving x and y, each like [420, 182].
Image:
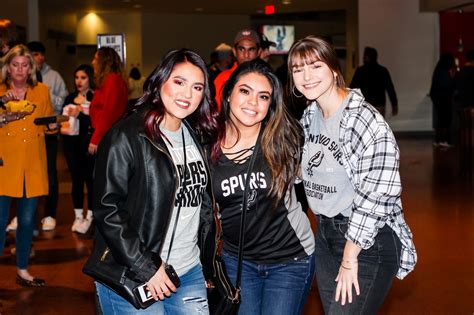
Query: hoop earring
[294, 93]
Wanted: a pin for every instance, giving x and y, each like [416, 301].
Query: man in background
[374, 80]
[57, 92]
[246, 48]
[221, 60]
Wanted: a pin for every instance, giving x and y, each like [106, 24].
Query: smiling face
[250, 100]
[19, 69]
[314, 79]
[181, 94]
[81, 79]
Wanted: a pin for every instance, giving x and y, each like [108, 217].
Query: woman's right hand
[9, 95]
[160, 286]
[72, 110]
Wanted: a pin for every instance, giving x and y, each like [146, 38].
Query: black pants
[51, 204]
[378, 266]
[81, 166]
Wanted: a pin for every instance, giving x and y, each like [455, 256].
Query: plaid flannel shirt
[371, 160]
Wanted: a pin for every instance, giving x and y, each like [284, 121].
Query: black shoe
[36, 282]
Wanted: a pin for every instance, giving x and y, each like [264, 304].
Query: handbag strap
[245, 206]
[181, 194]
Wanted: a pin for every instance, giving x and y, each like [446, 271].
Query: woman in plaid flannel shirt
[350, 170]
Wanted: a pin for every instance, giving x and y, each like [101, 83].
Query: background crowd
[209, 121]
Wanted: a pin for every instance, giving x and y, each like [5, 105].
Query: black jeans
[378, 265]
[81, 166]
[51, 203]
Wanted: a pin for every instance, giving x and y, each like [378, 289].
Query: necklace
[20, 92]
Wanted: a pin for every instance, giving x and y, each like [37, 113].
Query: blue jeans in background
[190, 298]
[26, 213]
[273, 289]
[377, 265]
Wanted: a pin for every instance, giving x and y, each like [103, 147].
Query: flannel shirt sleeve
[376, 179]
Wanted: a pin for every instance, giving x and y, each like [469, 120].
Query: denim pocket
[342, 228]
[302, 260]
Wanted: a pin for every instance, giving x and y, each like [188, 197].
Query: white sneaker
[49, 223]
[77, 222]
[13, 224]
[84, 226]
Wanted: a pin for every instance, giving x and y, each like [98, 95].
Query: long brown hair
[108, 61]
[282, 137]
[310, 49]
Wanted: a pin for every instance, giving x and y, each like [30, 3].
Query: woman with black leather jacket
[152, 189]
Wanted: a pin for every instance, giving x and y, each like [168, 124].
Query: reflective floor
[439, 207]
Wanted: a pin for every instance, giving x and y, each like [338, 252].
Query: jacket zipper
[104, 255]
[174, 176]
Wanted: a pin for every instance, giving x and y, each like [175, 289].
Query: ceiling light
[286, 2]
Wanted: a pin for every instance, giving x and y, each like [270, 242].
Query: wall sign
[115, 41]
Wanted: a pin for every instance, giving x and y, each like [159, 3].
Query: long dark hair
[89, 71]
[282, 136]
[203, 118]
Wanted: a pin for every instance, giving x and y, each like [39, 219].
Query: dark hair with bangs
[310, 49]
[203, 118]
[89, 71]
[282, 137]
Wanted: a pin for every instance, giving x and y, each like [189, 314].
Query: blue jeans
[189, 298]
[26, 213]
[273, 289]
[378, 265]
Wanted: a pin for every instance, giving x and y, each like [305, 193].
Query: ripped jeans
[190, 298]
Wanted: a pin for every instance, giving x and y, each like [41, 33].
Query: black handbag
[115, 276]
[223, 297]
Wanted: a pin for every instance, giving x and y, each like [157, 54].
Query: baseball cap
[265, 43]
[247, 34]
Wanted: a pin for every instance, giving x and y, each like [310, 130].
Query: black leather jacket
[134, 192]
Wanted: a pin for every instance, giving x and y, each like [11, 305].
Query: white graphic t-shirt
[185, 252]
[327, 186]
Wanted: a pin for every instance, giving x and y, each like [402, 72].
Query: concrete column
[33, 21]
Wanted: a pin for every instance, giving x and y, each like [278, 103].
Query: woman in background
[135, 86]
[22, 148]
[79, 161]
[350, 172]
[278, 262]
[109, 103]
[441, 93]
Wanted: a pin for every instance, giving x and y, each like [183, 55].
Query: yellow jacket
[23, 150]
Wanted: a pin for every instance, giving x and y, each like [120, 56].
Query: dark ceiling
[244, 7]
